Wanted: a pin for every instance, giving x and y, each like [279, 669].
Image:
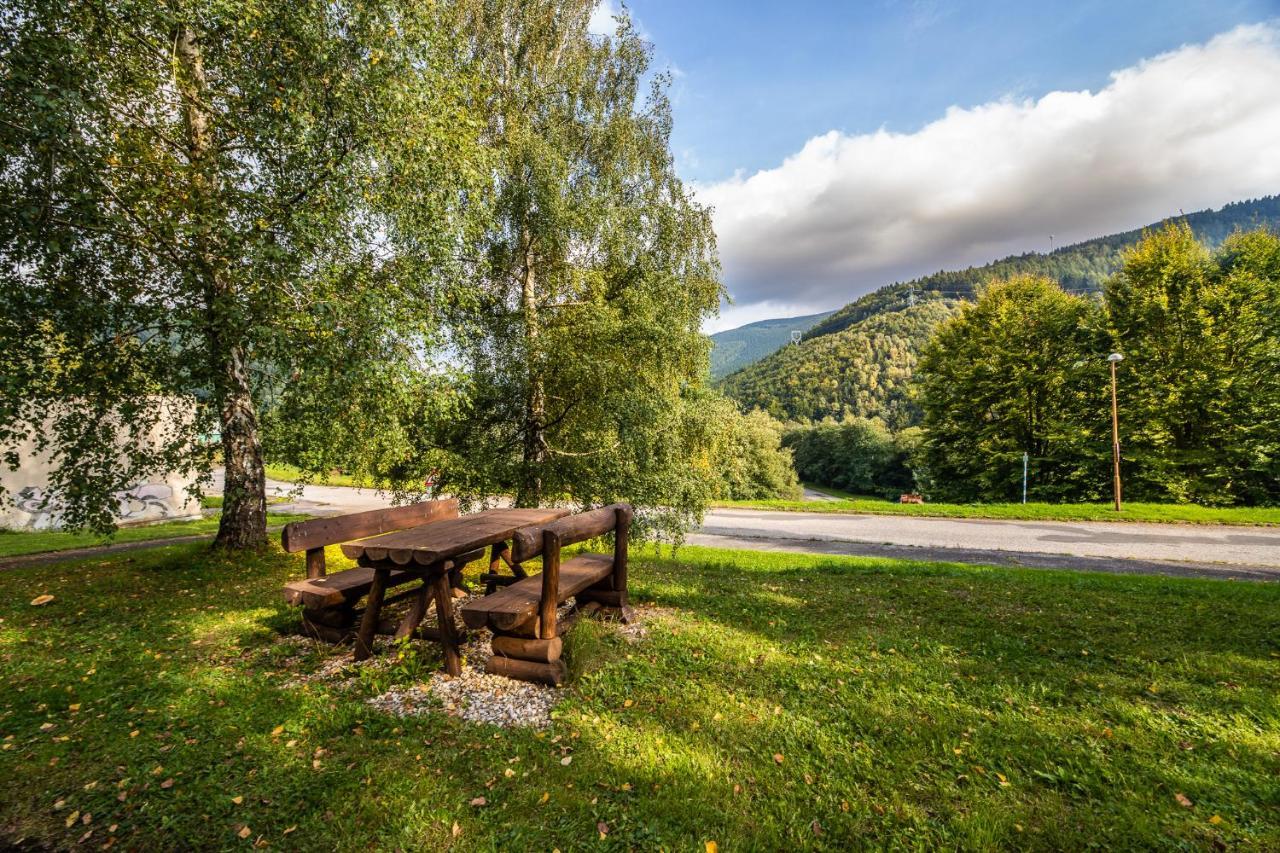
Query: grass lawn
[16, 542]
[215, 501]
[778, 702]
[291, 474]
[1178, 513]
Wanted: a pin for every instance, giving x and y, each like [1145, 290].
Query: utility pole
[1115, 358]
[1024, 476]
[911, 296]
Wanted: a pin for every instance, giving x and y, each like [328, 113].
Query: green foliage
[1019, 371]
[858, 455]
[593, 271]
[923, 705]
[1200, 386]
[861, 371]
[210, 203]
[751, 460]
[1023, 371]
[734, 349]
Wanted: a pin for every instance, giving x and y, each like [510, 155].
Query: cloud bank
[1193, 128]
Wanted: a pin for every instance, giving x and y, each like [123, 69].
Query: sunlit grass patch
[765, 701]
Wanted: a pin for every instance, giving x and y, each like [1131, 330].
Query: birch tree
[200, 201]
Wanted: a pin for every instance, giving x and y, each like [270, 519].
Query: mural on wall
[141, 502]
[27, 501]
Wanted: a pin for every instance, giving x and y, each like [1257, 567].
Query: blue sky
[757, 79]
[845, 146]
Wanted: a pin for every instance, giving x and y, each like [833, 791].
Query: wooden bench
[523, 614]
[329, 600]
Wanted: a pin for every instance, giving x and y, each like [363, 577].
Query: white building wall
[160, 498]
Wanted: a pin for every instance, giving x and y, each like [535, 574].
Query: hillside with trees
[863, 370]
[859, 361]
[734, 349]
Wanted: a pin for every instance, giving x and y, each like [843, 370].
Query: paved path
[1183, 549]
[316, 499]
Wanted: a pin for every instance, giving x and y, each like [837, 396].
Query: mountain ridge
[858, 361]
[737, 347]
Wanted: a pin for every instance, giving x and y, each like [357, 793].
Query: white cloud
[1193, 128]
[602, 21]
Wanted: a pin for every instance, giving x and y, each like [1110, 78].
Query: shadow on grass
[917, 705]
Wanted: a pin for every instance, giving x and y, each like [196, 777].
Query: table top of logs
[429, 544]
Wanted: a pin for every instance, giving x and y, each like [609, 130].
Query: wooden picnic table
[428, 551]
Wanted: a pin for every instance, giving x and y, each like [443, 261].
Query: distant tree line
[1023, 370]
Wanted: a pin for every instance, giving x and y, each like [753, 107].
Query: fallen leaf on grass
[73, 817]
[711, 847]
[167, 784]
[289, 829]
[457, 830]
[1215, 820]
[566, 760]
[237, 800]
[244, 832]
[1182, 800]
[603, 829]
[777, 757]
[277, 731]
[479, 801]
[41, 600]
[545, 797]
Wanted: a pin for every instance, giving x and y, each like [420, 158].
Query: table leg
[417, 610]
[372, 612]
[444, 613]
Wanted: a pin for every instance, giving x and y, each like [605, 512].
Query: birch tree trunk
[244, 510]
[535, 413]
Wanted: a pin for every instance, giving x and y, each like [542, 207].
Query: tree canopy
[201, 203]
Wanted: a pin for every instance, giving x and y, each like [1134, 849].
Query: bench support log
[369, 624]
[543, 651]
[448, 633]
[315, 562]
[527, 670]
[550, 585]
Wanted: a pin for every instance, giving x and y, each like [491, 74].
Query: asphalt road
[1181, 549]
[1184, 550]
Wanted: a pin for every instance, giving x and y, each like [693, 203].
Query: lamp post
[1115, 358]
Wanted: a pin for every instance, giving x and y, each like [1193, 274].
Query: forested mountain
[734, 349]
[859, 360]
[861, 370]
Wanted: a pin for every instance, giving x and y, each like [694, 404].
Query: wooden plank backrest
[527, 542]
[574, 528]
[311, 536]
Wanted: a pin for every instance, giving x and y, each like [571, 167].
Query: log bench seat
[349, 586]
[517, 604]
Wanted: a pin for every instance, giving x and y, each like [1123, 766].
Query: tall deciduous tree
[200, 200]
[1200, 386]
[583, 349]
[1019, 371]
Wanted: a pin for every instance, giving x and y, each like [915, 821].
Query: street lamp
[1115, 358]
